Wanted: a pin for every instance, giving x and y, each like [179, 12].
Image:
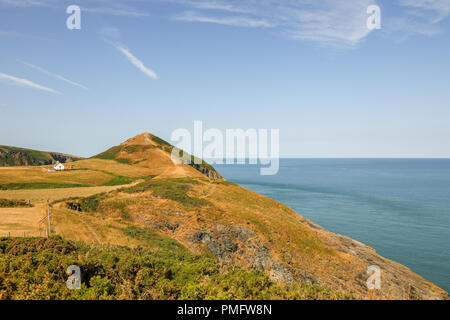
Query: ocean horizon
[398, 206]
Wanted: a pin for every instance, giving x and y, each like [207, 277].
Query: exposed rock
[165, 225]
[234, 243]
[396, 280]
[210, 173]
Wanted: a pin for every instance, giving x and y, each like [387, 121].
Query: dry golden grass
[41, 195]
[113, 167]
[41, 174]
[159, 163]
[75, 226]
[16, 221]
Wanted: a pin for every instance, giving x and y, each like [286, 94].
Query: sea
[400, 207]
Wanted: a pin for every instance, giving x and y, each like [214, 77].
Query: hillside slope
[13, 156]
[149, 151]
[248, 230]
[215, 218]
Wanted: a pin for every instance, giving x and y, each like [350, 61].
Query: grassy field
[88, 173]
[16, 221]
[32, 175]
[41, 195]
[114, 167]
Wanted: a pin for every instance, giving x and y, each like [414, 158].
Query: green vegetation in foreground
[172, 189]
[39, 185]
[35, 268]
[6, 203]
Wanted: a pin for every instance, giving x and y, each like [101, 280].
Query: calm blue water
[400, 207]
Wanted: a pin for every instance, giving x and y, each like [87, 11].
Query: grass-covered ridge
[171, 189]
[111, 154]
[127, 152]
[14, 156]
[32, 157]
[35, 268]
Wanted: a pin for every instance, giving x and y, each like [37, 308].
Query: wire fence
[23, 234]
[44, 226]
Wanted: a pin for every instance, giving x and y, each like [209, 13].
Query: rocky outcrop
[207, 171]
[234, 243]
[397, 281]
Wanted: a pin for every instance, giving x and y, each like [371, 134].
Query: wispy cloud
[328, 22]
[213, 5]
[419, 17]
[236, 21]
[138, 63]
[54, 75]
[440, 9]
[27, 3]
[27, 83]
[115, 10]
[111, 35]
[340, 23]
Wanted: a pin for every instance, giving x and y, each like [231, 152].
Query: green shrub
[35, 268]
[6, 203]
[90, 204]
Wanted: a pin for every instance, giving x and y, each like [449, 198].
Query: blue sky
[309, 68]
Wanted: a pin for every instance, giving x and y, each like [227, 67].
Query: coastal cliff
[13, 156]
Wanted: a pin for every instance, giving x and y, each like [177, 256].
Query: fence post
[48, 218]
